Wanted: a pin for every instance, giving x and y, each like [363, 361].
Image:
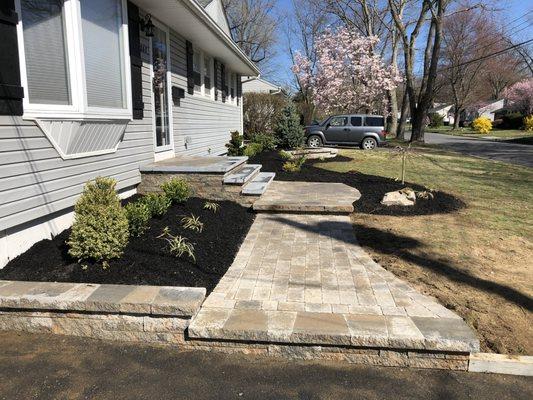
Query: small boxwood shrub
[157, 203]
[252, 149]
[267, 142]
[482, 125]
[294, 165]
[177, 190]
[100, 229]
[234, 146]
[138, 216]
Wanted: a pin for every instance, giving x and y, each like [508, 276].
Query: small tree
[234, 145]
[100, 229]
[260, 111]
[288, 128]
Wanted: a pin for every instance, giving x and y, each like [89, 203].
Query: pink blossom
[520, 96]
[348, 76]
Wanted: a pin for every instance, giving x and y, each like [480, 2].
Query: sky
[508, 10]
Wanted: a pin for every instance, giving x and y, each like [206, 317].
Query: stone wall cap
[124, 299]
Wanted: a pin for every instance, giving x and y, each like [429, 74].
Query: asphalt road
[520, 154]
[53, 367]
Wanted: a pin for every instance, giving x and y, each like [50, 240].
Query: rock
[399, 198]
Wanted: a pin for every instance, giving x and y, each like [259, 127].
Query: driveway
[519, 154]
[53, 367]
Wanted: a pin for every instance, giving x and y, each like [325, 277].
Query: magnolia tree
[520, 96]
[347, 76]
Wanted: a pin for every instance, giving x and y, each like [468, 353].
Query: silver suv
[366, 131]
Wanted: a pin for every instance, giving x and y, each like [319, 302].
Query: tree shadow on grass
[403, 247]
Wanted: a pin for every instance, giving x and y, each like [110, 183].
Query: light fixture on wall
[147, 26]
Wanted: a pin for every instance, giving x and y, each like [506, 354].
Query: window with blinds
[47, 70]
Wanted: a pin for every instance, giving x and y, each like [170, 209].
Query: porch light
[147, 26]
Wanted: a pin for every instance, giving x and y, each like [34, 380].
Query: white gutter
[200, 12]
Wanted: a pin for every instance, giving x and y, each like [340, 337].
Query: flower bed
[147, 259]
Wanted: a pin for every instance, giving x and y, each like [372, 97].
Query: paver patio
[301, 278]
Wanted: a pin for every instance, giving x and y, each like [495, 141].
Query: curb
[501, 364]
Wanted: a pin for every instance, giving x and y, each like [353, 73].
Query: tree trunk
[400, 131]
[456, 116]
[417, 123]
[393, 125]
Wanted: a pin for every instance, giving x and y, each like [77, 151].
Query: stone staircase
[212, 177]
[249, 177]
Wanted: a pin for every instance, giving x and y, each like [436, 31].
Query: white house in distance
[259, 85]
[444, 110]
[100, 87]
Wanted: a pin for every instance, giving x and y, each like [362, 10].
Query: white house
[444, 110]
[259, 85]
[101, 87]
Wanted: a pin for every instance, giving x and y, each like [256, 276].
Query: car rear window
[374, 121]
[356, 121]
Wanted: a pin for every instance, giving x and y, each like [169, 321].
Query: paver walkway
[302, 278]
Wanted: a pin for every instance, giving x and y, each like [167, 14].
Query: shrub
[528, 123]
[435, 120]
[288, 128]
[138, 215]
[193, 223]
[177, 190]
[260, 113]
[285, 155]
[268, 142]
[482, 125]
[235, 144]
[178, 245]
[512, 121]
[100, 229]
[294, 165]
[157, 203]
[211, 206]
[252, 149]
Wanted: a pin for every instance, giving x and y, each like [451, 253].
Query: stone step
[259, 184]
[242, 175]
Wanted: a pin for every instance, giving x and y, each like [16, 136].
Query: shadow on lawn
[403, 246]
[372, 187]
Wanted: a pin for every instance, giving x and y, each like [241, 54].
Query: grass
[474, 261]
[495, 133]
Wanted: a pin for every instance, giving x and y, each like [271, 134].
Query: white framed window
[207, 75]
[74, 59]
[197, 70]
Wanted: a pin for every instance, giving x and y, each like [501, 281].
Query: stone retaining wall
[205, 185]
[148, 314]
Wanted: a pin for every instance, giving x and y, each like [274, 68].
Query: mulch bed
[372, 187]
[146, 260]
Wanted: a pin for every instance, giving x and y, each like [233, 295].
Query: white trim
[160, 152]
[79, 108]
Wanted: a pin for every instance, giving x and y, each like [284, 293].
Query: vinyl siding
[35, 181]
[203, 123]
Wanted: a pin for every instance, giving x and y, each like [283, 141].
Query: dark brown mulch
[146, 260]
[372, 187]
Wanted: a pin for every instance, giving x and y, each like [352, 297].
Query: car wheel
[314, 141]
[369, 143]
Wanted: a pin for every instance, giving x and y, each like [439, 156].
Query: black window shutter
[215, 83]
[239, 89]
[223, 79]
[190, 68]
[135, 61]
[11, 91]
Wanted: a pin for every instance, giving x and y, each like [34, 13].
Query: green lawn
[495, 133]
[479, 258]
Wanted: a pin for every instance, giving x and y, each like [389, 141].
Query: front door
[337, 129]
[160, 86]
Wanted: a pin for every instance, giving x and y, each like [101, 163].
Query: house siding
[201, 126]
[35, 181]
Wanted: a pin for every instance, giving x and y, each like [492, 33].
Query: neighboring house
[99, 87]
[259, 85]
[486, 109]
[444, 110]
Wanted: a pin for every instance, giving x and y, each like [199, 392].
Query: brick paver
[303, 278]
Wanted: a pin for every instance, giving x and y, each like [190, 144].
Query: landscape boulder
[404, 197]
